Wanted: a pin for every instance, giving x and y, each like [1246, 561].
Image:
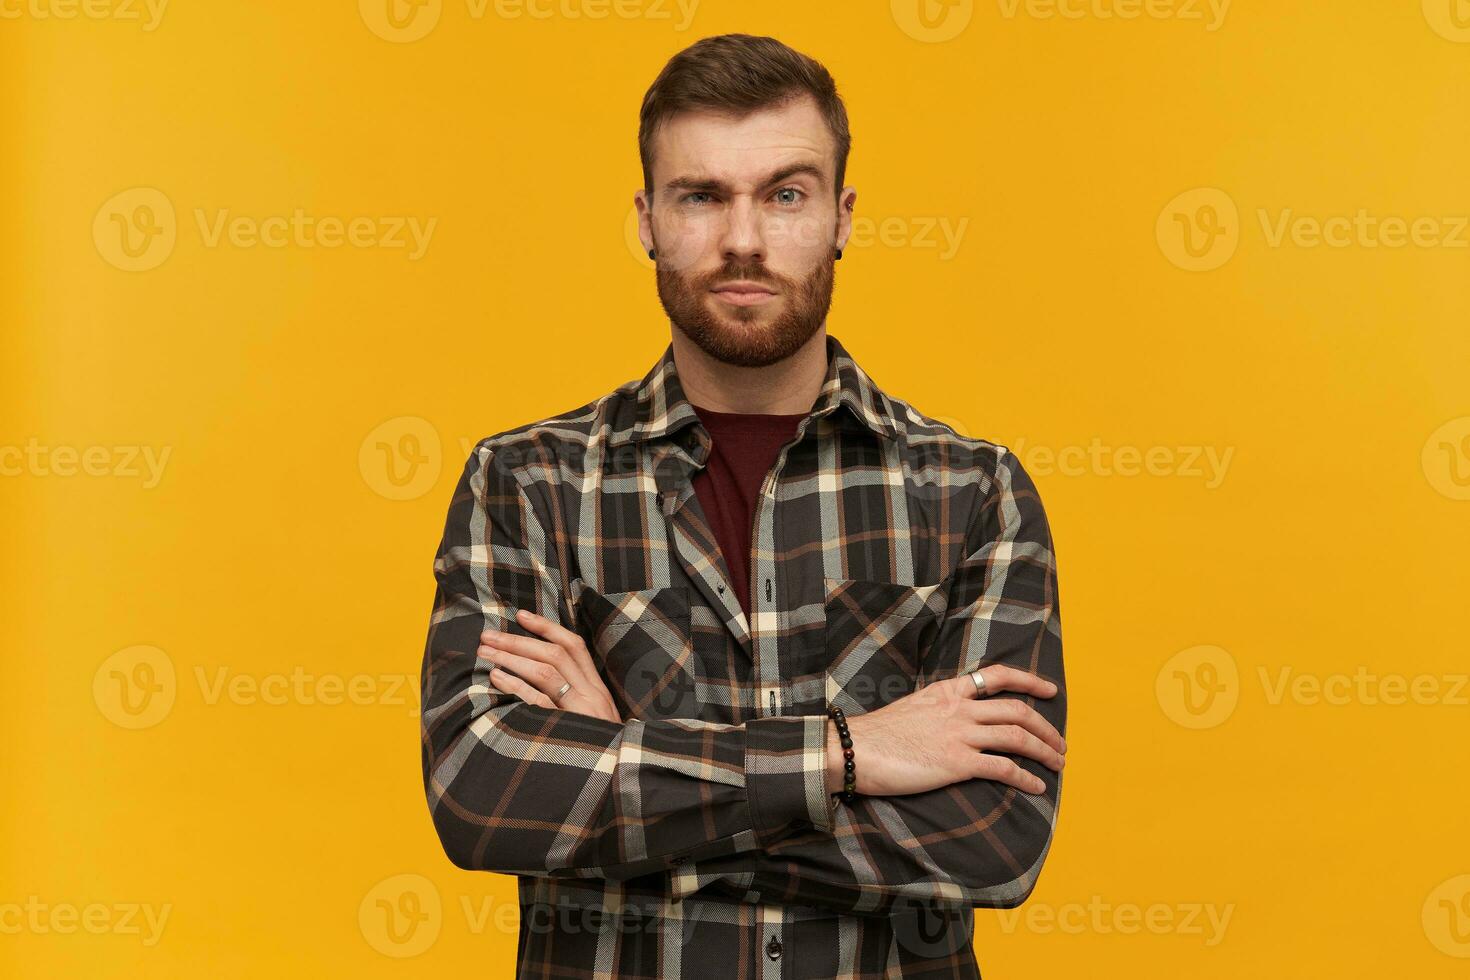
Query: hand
[938, 735]
[534, 670]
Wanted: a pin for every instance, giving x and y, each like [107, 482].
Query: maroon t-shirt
[744, 450]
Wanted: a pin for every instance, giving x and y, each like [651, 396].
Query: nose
[743, 239]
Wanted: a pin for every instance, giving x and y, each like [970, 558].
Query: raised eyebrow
[775, 177]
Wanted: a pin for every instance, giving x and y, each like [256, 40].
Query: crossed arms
[738, 810]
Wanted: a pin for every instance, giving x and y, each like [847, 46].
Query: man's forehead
[712, 145]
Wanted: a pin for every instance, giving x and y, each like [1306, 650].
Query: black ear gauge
[650, 253]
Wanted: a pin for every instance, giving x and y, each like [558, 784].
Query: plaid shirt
[697, 838]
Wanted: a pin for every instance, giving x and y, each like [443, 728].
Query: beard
[739, 335]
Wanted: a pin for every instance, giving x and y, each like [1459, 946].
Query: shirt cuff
[786, 775]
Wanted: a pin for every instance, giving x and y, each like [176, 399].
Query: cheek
[688, 229]
[683, 244]
[801, 236]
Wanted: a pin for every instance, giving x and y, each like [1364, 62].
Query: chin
[765, 313]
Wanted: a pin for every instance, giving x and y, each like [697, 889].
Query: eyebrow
[775, 177]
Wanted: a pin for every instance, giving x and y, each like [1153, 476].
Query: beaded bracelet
[850, 778]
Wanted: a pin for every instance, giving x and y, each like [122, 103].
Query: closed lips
[742, 288]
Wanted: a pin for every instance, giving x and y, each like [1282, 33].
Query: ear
[642, 202]
[845, 203]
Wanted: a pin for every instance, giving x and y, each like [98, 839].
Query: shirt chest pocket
[642, 644]
[877, 635]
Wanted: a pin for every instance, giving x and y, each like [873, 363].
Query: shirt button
[773, 948]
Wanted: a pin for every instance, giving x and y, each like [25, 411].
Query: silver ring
[564, 689]
[979, 682]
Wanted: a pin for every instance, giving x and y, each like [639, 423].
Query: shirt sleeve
[979, 843]
[521, 789]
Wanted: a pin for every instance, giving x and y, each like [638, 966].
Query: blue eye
[695, 194]
[789, 190]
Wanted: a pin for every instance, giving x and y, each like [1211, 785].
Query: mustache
[750, 273]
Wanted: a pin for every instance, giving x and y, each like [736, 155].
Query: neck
[788, 387]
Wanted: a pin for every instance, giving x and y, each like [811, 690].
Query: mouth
[744, 293]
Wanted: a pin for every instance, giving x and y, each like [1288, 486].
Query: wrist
[841, 761]
[835, 768]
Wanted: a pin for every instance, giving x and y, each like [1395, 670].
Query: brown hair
[738, 74]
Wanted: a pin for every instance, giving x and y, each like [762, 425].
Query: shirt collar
[662, 408]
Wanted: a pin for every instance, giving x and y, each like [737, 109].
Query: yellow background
[1334, 836]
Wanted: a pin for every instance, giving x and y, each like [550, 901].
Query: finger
[564, 658]
[556, 633]
[507, 683]
[1017, 741]
[1002, 677]
[566, 639]
[542, 676]
[550, 629]
[1003, 770]
[533, 649]
[1011, 711]
[588, 687]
